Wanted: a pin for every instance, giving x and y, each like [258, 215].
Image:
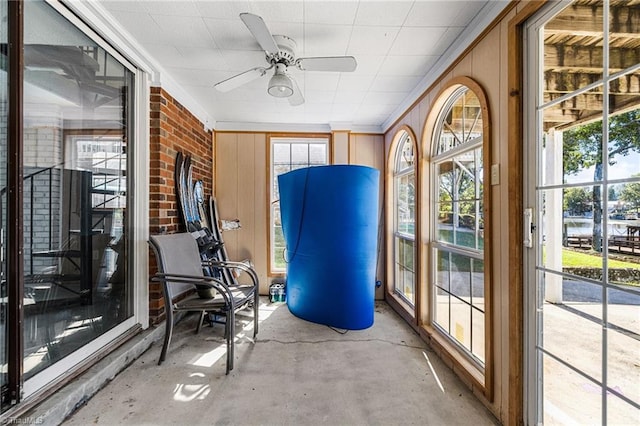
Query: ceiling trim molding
[95, 15]
[476, 27]
[226, 126]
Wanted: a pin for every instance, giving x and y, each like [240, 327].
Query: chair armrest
[235, 265]
[197, 280]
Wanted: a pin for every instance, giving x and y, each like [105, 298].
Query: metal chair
[186, 288]
[219, 251]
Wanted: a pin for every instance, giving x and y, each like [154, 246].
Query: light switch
[495, 174]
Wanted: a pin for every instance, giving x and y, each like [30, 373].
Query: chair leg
[202, 314]
[227, 335]
[256, 304]
[232, 338]
[168, 331]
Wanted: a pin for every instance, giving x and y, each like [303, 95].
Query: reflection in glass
[460, 193]
[477, 336]
[460, 327]
[565, 55]
[461, 277]
[76, 138]
[477, 283]
[405, 156]
[405, 203]
[4, 102]
[461, 123]
[443, 268]
[405, 268]
[460, 303]
[442, 309]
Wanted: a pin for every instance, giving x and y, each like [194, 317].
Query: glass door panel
[583, 267]
[76, 133]
[4, 103]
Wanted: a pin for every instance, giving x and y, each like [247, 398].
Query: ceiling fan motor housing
[287, 53]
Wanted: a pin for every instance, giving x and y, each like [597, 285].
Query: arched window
[404, 219]
[459, 284]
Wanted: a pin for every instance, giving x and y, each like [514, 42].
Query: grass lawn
[574, 259]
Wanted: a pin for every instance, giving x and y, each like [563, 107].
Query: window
[289, 154]
[458, 283]
[404, 187]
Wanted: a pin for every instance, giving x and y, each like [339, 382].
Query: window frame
[399, 236]
[272, 139]
[480, 375]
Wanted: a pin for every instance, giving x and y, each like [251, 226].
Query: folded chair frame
[179, 289]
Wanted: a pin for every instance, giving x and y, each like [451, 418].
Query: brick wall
[173, 129]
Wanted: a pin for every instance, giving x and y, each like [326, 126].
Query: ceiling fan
[280, 54]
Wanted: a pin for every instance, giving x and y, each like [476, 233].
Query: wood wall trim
[409, 314]
[515, 414]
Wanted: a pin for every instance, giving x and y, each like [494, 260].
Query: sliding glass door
[4, 102]
[76, 141]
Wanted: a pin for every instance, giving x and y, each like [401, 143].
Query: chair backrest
[228, 276]
[177, 254]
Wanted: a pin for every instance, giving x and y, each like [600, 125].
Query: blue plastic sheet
[330, 225]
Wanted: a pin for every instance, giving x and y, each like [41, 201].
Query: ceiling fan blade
[260, 32]
[240, 79]
[328, 63]
[296, 98]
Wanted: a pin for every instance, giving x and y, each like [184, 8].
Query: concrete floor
[296, 373]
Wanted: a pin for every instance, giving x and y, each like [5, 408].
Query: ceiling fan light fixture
[280, 85]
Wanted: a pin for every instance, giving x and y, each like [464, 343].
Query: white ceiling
[401, 47]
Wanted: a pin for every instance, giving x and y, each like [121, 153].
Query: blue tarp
[330, 224]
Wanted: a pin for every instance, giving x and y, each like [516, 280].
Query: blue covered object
[330, 225]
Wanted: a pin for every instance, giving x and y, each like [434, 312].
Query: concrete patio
[296, 373]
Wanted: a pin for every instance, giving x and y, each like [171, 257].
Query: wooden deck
[627, 244]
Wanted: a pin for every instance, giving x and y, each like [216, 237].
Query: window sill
[405, 310]
[471, 373]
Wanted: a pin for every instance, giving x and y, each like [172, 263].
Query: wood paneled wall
[241, 188]
[367, 150]
[241, 172]
[488, 64]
